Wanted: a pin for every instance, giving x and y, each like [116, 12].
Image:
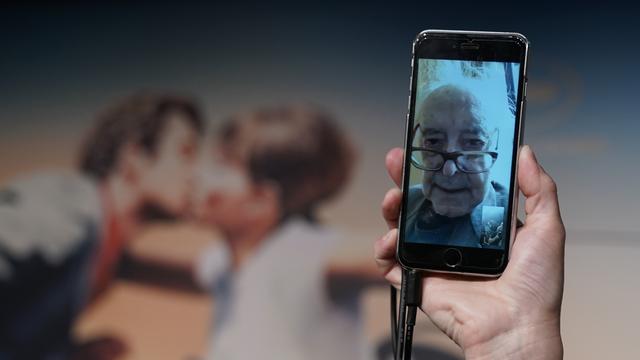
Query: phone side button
[452, 257]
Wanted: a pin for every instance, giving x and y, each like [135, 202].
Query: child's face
[165, 178]
[227, 198]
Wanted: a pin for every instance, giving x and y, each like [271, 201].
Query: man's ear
[133, 161]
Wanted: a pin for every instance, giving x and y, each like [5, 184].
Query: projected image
[461, 147]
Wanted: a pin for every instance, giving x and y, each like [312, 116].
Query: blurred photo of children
[267, 175]
[62, 233]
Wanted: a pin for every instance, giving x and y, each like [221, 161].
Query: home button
[452, 257]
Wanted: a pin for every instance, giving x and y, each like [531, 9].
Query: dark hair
[140, 119]
[299, 148]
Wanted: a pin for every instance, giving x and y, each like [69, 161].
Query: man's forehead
[476, 130]
[466, 124]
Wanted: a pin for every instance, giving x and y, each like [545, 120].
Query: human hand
[515, 316]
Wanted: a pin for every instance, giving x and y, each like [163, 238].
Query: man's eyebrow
[475, 130]
[432, 131]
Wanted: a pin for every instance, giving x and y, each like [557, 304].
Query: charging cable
[403, 320]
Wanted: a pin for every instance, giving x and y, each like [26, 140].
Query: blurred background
[61, 65]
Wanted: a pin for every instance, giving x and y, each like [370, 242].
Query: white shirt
[47, 215]
[277, 307]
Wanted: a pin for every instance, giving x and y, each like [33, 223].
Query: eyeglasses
[471, 162]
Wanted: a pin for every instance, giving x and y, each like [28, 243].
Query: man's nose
[449, 168]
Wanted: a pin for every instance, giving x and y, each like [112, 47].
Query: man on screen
[454, 147]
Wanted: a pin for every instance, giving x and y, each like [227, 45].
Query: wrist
[530, 341]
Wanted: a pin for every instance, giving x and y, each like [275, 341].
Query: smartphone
[463, 134]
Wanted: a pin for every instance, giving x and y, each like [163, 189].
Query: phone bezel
[438, 44]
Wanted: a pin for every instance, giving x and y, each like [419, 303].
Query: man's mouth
[450, 190]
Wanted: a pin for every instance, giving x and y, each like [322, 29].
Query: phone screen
[461, 148]
[462, 139]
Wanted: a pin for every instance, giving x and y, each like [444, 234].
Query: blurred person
[515, 316]
[272, 170]
[456, 150]
[61, 234]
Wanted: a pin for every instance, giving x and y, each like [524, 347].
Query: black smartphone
[464, 130]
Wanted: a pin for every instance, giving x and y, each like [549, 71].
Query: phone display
[463, 134]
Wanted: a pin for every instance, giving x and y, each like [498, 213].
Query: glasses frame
[454, 155]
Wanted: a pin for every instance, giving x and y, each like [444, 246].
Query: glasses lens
[426, 160]
[475, 162]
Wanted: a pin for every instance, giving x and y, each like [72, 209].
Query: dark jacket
[50, 227]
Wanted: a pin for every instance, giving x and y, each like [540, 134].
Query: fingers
[385, 255]
[393, 162]
[537, 186]
[391, 207]
[385, 247]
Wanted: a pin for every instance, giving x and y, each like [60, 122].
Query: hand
[516, 316]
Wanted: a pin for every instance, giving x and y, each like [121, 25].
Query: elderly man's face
[452, 192]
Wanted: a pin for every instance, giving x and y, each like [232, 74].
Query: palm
[475, 310]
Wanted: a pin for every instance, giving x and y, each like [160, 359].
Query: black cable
[411, 322]
[402, 328]
[402, 318]
[394, 318]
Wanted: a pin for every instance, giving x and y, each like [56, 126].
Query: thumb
[536, 185]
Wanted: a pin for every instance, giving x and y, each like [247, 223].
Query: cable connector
[414, 287]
